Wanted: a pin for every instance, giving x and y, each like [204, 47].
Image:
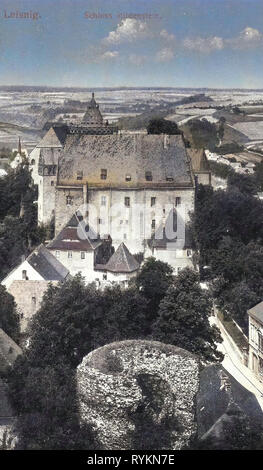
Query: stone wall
[124, 224]
[28, 296]
[133, 389]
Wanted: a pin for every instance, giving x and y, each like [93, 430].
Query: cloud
[204, 45]
[137, 59]
[165, 55]
[167, 36]
[247, 38]
[128, 30]
[250, 34]
[108, 55]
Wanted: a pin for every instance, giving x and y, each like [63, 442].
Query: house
[200, 166]
[28, 282]
[255, 362]
[80, 250]
[84, 252]
[40, 265]
[121, 181]
[121, 267]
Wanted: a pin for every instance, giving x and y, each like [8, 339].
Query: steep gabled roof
[47, 265]
[198, 159]
[257, 312]
[9, 351]
[76, 236]
[149, 160]
[122, 261]
[54, 138]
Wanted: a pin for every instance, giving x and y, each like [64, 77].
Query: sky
[158, 43]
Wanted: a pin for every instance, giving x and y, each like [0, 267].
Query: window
[104, 277]
[70, 254]
[260, 365]
[32, 161]
[79, 175]
[82, 255]
[148, 176]
[153, 201]
[127, 201]
[163, 211]
[121, 221]
[153, 224]
[100, 221]
[128, 177]
[125, 236]
[103, 201]
[177, 201]
[34, 300]
[69, 200]
[103, 174]
[169, 178]
[24, 276]
[179, 269]
[189, 253]
[57, 254]
[260, 342]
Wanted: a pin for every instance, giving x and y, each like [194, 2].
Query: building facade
[123, 184]
[255, 362]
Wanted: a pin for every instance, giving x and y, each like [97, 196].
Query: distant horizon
[132, 87]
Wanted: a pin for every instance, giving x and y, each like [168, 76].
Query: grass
[233, 331]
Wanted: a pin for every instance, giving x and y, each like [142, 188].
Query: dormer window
[79, 175]
[103, 174]
[128, 177]
[148, 176]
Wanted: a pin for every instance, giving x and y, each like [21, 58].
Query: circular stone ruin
[139, 395]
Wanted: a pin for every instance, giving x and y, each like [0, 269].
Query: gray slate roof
[54, 138]
[257, 312]
[75, 237]
[9, 351]
[125, 154]
[47, 265]
[122, 261]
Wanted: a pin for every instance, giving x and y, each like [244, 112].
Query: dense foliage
[183, 317]
[228, 231]
[75, 319]
[19, 232]
[9, 319]
[163, 126]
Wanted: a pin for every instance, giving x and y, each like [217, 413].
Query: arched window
[32, 161]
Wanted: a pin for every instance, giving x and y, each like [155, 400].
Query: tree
[163, 126]
[183, 318]
[245, 183]
[153, 280]
[65, 329]
[9, 318]
[201, 133]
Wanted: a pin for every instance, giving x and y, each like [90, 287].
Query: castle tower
[92, 116]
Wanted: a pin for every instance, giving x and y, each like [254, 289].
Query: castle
[126, 186]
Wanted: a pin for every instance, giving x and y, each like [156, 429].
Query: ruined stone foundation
[139, 395]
